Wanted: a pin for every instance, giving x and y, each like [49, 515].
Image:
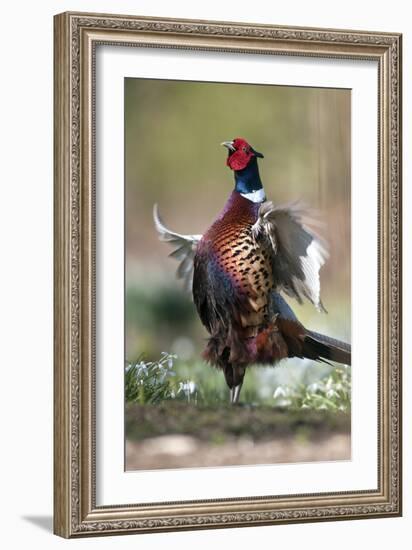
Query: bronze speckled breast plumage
[230, 241]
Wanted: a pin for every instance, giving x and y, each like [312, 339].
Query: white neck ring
[255, 196]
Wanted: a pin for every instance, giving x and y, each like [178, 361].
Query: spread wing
[297, 252]
[184, 249]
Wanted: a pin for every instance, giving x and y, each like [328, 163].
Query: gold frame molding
[76, 36]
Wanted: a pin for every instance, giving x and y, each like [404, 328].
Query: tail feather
[318, 346]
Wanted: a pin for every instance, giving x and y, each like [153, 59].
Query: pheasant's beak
[229, 145]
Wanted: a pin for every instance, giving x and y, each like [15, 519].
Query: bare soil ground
[180, 435]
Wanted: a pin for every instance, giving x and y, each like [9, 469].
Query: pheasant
[254, 252]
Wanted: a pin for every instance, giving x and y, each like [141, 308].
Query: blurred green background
[173, 157]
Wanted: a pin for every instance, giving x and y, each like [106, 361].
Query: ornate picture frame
[76, 37]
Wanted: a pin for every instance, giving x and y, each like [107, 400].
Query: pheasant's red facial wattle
[240, 158]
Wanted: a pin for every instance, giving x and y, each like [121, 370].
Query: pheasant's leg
[234, 379]
[238, 375]
[236, 393]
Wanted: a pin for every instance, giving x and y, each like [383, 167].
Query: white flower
[188, 388]
[167, 359]
[280, 391]
[142, 369]
[283, 402]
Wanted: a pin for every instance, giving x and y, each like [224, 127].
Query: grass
[294, 385]
[150, 382]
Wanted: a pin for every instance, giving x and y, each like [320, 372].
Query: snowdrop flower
[167, 359]
[279, 392]
[282, 396]
[313, 388]
[188, 388]
[142, 369]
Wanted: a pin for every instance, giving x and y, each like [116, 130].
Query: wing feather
[184, 248]
[297, 252]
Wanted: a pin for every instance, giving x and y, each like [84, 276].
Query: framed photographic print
[227, 274]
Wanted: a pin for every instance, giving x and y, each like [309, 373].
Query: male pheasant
[237, 270]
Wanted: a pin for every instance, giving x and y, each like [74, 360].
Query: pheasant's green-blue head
[240, 154]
